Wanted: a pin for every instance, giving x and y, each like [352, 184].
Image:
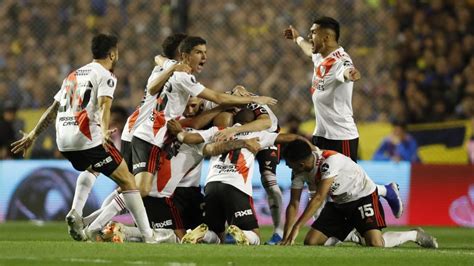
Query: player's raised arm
[157, 84]
[216, 148]
[262, 122]
[292, 34]
[223, 98]
[25, 143]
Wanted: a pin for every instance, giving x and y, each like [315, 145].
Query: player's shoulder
[183, 77]
[341, 56]
[101, 72]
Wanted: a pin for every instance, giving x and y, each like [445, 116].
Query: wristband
[299, 39]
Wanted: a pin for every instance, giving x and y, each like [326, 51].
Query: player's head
[323, 31]
[193, 52]
[298, 156]
[194, 107]
[104, 47]
[244, 116]
[170, 45]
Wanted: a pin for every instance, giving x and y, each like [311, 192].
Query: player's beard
[316, 48]
[113, 66]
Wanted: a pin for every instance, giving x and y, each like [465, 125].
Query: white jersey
[170, 105]
[183, 169]
[145, 108]
[236, 167]
[350, 183]
[332, 96]
[78, 119]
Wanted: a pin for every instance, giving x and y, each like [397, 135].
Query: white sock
[114, 208]
[163, 235]
[382, 190]
[275, 200]
[253, 238]
[84, 184]
[393, 239]
[332, 241]
[89, 219]
[132, 233]
[211, 238]
[134, 204]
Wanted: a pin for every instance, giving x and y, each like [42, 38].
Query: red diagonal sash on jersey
[133, 119]
[242, 167]
[83, 121]
[321, 72]
[164, 172]
[159, 121]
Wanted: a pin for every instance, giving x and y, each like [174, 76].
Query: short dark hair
[297, 150]
[244, 116]
[328, 23]
[399, 123]
[171, 43]
[102, 44]
[189, 43]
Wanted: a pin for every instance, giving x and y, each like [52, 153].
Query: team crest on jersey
[324, 168]
[193, 79]
[110, 82]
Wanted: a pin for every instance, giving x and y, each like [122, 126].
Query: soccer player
[156, 81]
[354, 201]
[331, 91]
[228, 191]
[82, 112]
[150, 136]
[267, 158]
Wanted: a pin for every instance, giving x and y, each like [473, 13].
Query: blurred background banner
[433, 195]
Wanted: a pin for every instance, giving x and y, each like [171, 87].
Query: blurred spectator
[118, 117]
[398, 146]
[10, 126]
[470, 144]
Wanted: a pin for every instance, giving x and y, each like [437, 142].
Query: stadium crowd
[415, 57]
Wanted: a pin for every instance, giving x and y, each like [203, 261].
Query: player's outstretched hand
[23, 144]
[223, 135]
[253, 145]
[291, 237]
[291, 33]
[174, 127]
[107, 138]
[262, 100]
[352, 74]
[240, 90]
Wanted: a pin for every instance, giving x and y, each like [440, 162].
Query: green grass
[49, 244]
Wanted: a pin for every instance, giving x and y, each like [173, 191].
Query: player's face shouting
[315, 38]
[197, 58]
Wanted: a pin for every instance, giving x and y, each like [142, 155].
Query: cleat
[196, 235]
[274, 240]
[238, 235]
[75, 226]
[228, 239]
[394, 200]
[424, 239]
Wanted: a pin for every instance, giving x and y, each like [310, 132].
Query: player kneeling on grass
[354, 201]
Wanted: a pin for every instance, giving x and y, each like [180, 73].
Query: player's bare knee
[374, 242]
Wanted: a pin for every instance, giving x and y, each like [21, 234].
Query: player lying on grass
[354, 202]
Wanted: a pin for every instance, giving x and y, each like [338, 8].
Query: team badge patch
[110, 82]
[324, 168]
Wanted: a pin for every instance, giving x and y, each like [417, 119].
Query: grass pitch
[49, 244]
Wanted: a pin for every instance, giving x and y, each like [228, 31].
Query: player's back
[146, 105]
[236, 167]
[78, 119]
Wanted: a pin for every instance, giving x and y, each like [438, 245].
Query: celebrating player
[354, 201]
[331, 91]
[82, 112]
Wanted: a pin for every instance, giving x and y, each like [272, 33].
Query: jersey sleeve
[158, 71]
[297, 181]
[316, 58]
[58, 95]
[344, 63]
[106, 85]
[330, 167]
[266, 139]
[188, 83]
[257, 109]
[208, 134]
